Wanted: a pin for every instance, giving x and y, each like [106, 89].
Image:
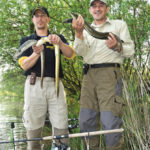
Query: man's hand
[111, 42]
[55, 39]
[38, 49]
[78, 25]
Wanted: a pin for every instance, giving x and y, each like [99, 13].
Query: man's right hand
[30, 61]
[37, 49]
[78, 25]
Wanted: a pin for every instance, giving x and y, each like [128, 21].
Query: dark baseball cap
[43, 9]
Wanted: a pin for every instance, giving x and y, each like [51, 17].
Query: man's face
[98, 10]
[40, 20]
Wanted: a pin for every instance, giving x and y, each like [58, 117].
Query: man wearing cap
[40, 101]
[101, 92]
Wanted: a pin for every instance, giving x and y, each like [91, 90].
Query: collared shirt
[49, 57]
[95, 51]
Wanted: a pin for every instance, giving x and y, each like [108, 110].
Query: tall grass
[136, 116]
[137, 113]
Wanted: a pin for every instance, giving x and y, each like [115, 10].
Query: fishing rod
[6, 122]
[84, 134]
[72, 125]
[12, 127]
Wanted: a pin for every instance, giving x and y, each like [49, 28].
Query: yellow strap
[73, 55]
[21, 59]
[69, 58]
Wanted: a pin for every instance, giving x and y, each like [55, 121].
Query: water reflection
[11, 112]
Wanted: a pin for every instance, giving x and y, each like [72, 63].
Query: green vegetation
[15, 22]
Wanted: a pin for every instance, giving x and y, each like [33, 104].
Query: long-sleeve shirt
[95, 51]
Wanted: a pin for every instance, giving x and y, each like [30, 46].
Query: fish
[30, 43]
[43, 40]
[42, 55]
[57, 62]
[24, 47]
[93, 32]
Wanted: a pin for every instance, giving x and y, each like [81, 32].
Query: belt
[104, 65]
[39, 78]
[87, 66]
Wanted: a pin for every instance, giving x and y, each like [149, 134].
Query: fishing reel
[73, 123]
[60, 147]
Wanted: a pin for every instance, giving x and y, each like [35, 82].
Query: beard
[41, 26]
[101, 18]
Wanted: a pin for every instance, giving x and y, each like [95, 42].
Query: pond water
[11, 112]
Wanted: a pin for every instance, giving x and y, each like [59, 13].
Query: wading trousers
[40, 101]
[101, 102]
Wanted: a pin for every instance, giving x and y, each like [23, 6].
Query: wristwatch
[117, 48]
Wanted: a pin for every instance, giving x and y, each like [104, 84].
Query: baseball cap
[43, 9]
[91, 1]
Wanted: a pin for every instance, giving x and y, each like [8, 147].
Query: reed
[137, 113]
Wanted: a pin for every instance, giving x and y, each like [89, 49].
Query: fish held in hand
[24, 47]
[57, 62]
[93, 32]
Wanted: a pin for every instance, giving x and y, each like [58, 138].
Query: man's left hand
[54, 39]
[111, 42]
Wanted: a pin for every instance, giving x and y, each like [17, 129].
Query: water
[11, 112]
